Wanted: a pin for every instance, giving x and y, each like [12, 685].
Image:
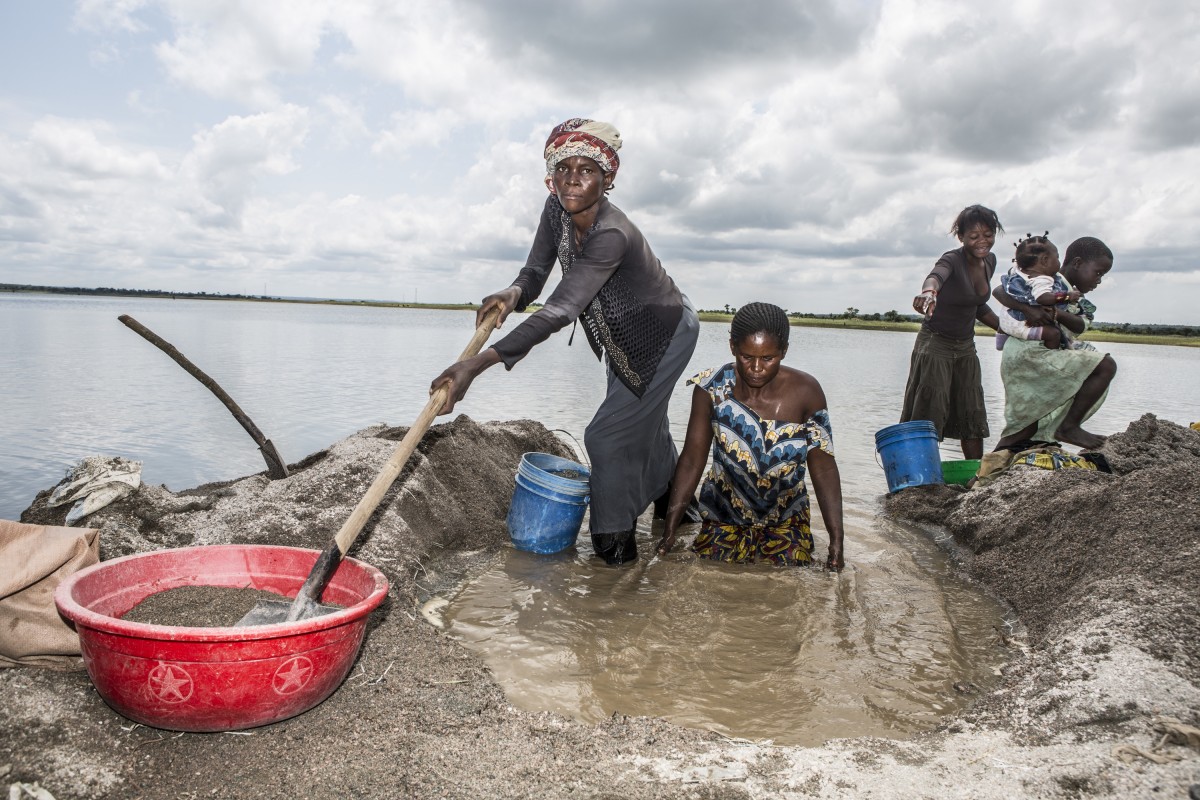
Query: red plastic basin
[216, 679]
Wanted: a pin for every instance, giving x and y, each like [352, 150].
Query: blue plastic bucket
[548, 503]
[909, 452]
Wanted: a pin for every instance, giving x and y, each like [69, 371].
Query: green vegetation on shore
[812, 321]
[1179, 335]
[165, 295]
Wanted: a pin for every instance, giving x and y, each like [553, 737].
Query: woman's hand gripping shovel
[307, 602]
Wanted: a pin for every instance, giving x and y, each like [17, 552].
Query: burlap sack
[36, 559]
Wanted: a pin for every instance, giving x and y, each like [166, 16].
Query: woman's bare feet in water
[1079, 437]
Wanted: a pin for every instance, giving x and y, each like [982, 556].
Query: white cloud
[109, 15]
[72, 150]
[225, 160]
[816, 152]
[435, 53]
[345, 120]
[234, 50]
[418, 128]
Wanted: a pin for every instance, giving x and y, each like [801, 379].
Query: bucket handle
[580, 450]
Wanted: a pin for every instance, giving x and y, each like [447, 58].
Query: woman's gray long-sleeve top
[614, 284]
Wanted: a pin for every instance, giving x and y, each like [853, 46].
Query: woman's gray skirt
[629, 440]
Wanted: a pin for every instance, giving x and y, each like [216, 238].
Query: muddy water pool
[796, 656]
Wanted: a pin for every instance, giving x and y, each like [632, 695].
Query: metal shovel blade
[306, 603]
[270, 612]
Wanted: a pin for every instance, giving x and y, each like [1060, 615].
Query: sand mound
[1064, 547]
[450, 501]
[1100, 568]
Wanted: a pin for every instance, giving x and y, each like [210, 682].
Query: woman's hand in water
[835, 562]
[666, 542]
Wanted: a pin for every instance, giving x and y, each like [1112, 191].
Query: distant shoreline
[854, 323]
[908, 326]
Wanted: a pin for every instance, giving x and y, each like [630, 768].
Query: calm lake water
[77, 382]
[796, 656]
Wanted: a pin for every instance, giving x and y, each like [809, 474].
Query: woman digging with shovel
[632, 313]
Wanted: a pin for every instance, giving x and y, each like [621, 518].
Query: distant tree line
[1147, 330]
[108, 290]
[896, 316]
[849, 313]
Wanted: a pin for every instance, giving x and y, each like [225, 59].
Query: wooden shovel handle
[367, 505]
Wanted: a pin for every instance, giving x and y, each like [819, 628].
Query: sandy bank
[1101, 568]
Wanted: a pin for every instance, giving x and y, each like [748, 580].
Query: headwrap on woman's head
[598, 141]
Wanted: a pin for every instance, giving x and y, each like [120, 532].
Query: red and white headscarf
[598, 141]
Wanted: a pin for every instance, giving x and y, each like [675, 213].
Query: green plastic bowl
[960, 472]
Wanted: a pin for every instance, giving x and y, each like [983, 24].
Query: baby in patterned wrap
[1034, 278]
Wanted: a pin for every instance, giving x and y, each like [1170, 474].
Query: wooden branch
[275, 466]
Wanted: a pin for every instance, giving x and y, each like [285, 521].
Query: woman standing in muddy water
[764, 423]
[632, 313]
[1049, 394]
[944, 383]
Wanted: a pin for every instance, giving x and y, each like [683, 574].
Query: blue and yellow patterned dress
[753, 502]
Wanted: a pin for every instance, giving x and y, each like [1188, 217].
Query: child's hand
[1074, 295]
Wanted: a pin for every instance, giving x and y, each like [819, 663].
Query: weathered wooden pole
[275, 466]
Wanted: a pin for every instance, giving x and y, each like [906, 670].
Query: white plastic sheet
[94, 483]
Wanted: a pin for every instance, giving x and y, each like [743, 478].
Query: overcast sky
[811, 153]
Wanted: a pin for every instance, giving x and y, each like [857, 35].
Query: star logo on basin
[292, 675]
[170, 683]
